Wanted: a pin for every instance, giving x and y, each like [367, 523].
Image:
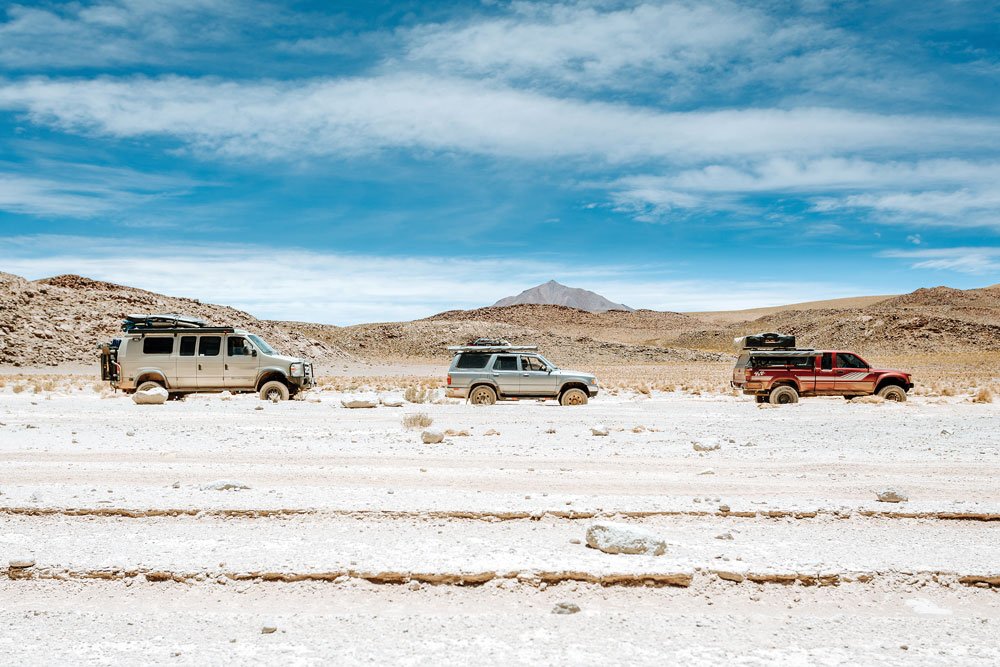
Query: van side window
[827, 363]
[505, 363]
[187, 346]
[157, 345]
[209, 346]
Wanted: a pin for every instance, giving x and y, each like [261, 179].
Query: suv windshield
[261, 345]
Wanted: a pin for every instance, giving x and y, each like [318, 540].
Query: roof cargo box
[765, 341]
[167, 320]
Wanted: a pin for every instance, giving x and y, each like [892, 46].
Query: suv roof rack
[162, 321]
[502, 346]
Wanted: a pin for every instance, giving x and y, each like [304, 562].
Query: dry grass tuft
[984, 395]
[417, 420]
[418, 394]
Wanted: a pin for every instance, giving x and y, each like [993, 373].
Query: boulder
[224, 485]
[225, 396]
[154, 396]
[891, 496]
[21, 563]
[357, 403]
[391, 403]
[432, 436]
[706, 446]
[599, 430]
[620, 538]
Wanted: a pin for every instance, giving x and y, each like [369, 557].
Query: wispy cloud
[350, 116]
[970, 260]
[298, 284]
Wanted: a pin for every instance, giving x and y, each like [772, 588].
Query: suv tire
[783, 395]
[893, 392]
[274, 390]
[483, 395]
[573, 396]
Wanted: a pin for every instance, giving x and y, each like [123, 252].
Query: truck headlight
[295, 370]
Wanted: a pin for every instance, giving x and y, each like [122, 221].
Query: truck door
[187, 363]
[241, 365]
[506, 375]
[853, 374]
[826, 376]
[536, 380]
[210, 362]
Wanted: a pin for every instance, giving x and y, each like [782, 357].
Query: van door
[187, 363]
[241, 363]
[210, 362]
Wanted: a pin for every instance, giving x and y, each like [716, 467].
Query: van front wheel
[274, 391]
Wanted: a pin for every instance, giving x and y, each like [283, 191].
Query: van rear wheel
[784, 395]
[573, 397]
[483, 395]
[149, 384]
[274, 391]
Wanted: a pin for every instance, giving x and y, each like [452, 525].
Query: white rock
[21, 563]
[707, 471]
[706, 446]
[620, 538]
[891, 496]
[391, 403]
[225, 396]
[224, 485]
[599, 429]
[268, 629]
[357, 403]
[724, 536]
[432, 436]
[154, 396]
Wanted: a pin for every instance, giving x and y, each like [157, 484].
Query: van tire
[573, 396]
[274, 391]
[146, 385]
[783, 395]
[893, 392]
[483, 395]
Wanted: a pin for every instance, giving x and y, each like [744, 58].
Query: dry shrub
[984, 395]
[643, 389]
[417, 394]
[417, 420]
[18, 388]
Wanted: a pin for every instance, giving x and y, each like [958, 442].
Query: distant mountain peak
[553, 293]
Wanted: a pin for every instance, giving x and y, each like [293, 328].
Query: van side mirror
[253, 353]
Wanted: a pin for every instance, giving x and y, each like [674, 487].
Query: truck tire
[483, 395]
[783, 395]
[573, 396]
[149, 384]
[893, 392]
[274, 391]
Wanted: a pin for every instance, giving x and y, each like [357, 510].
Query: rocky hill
[557, 294]
[61, 320]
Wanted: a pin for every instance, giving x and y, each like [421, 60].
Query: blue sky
[366, 161]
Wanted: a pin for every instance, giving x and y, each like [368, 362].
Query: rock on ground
[620, 538]
[21, 563]
[599, 429]
[565, 608]
[706, 446]
[354, 404]
[224, 485]
[154, 396]
[432, 436]
[891, 496]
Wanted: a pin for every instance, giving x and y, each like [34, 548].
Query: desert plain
[222, 529]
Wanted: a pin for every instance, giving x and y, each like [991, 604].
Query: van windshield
[262, 345]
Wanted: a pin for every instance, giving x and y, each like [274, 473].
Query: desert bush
[984, 395]
[18, 388]
[417, 420]
[417, 394]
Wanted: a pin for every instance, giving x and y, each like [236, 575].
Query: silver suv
[486, 371]
[183, 355]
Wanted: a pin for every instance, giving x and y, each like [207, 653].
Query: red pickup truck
[782, 375]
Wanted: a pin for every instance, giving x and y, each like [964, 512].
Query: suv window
[532, 364]
[845, 360]
[473, 360]
[209, 346]
[157, 345]
[506, 362]
[187, 346]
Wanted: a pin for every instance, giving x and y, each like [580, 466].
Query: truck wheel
[893, 392]
[573, 397]
[483, 395]
[784, 395]
[274, 391]
[149, 384]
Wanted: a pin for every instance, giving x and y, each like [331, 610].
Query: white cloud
[335, 288]
[337, 117]
[975, 261]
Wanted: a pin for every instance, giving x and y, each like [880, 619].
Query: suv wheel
[483, 395]
[274, 391]
[573, 397]
[784, 395]
[893, 392]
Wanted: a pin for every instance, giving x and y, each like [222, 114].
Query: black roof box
[765, 341]
[165, 321]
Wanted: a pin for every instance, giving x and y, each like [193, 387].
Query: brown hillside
[62, 320]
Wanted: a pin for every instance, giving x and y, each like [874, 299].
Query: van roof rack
[490, 344]
[161, 321]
